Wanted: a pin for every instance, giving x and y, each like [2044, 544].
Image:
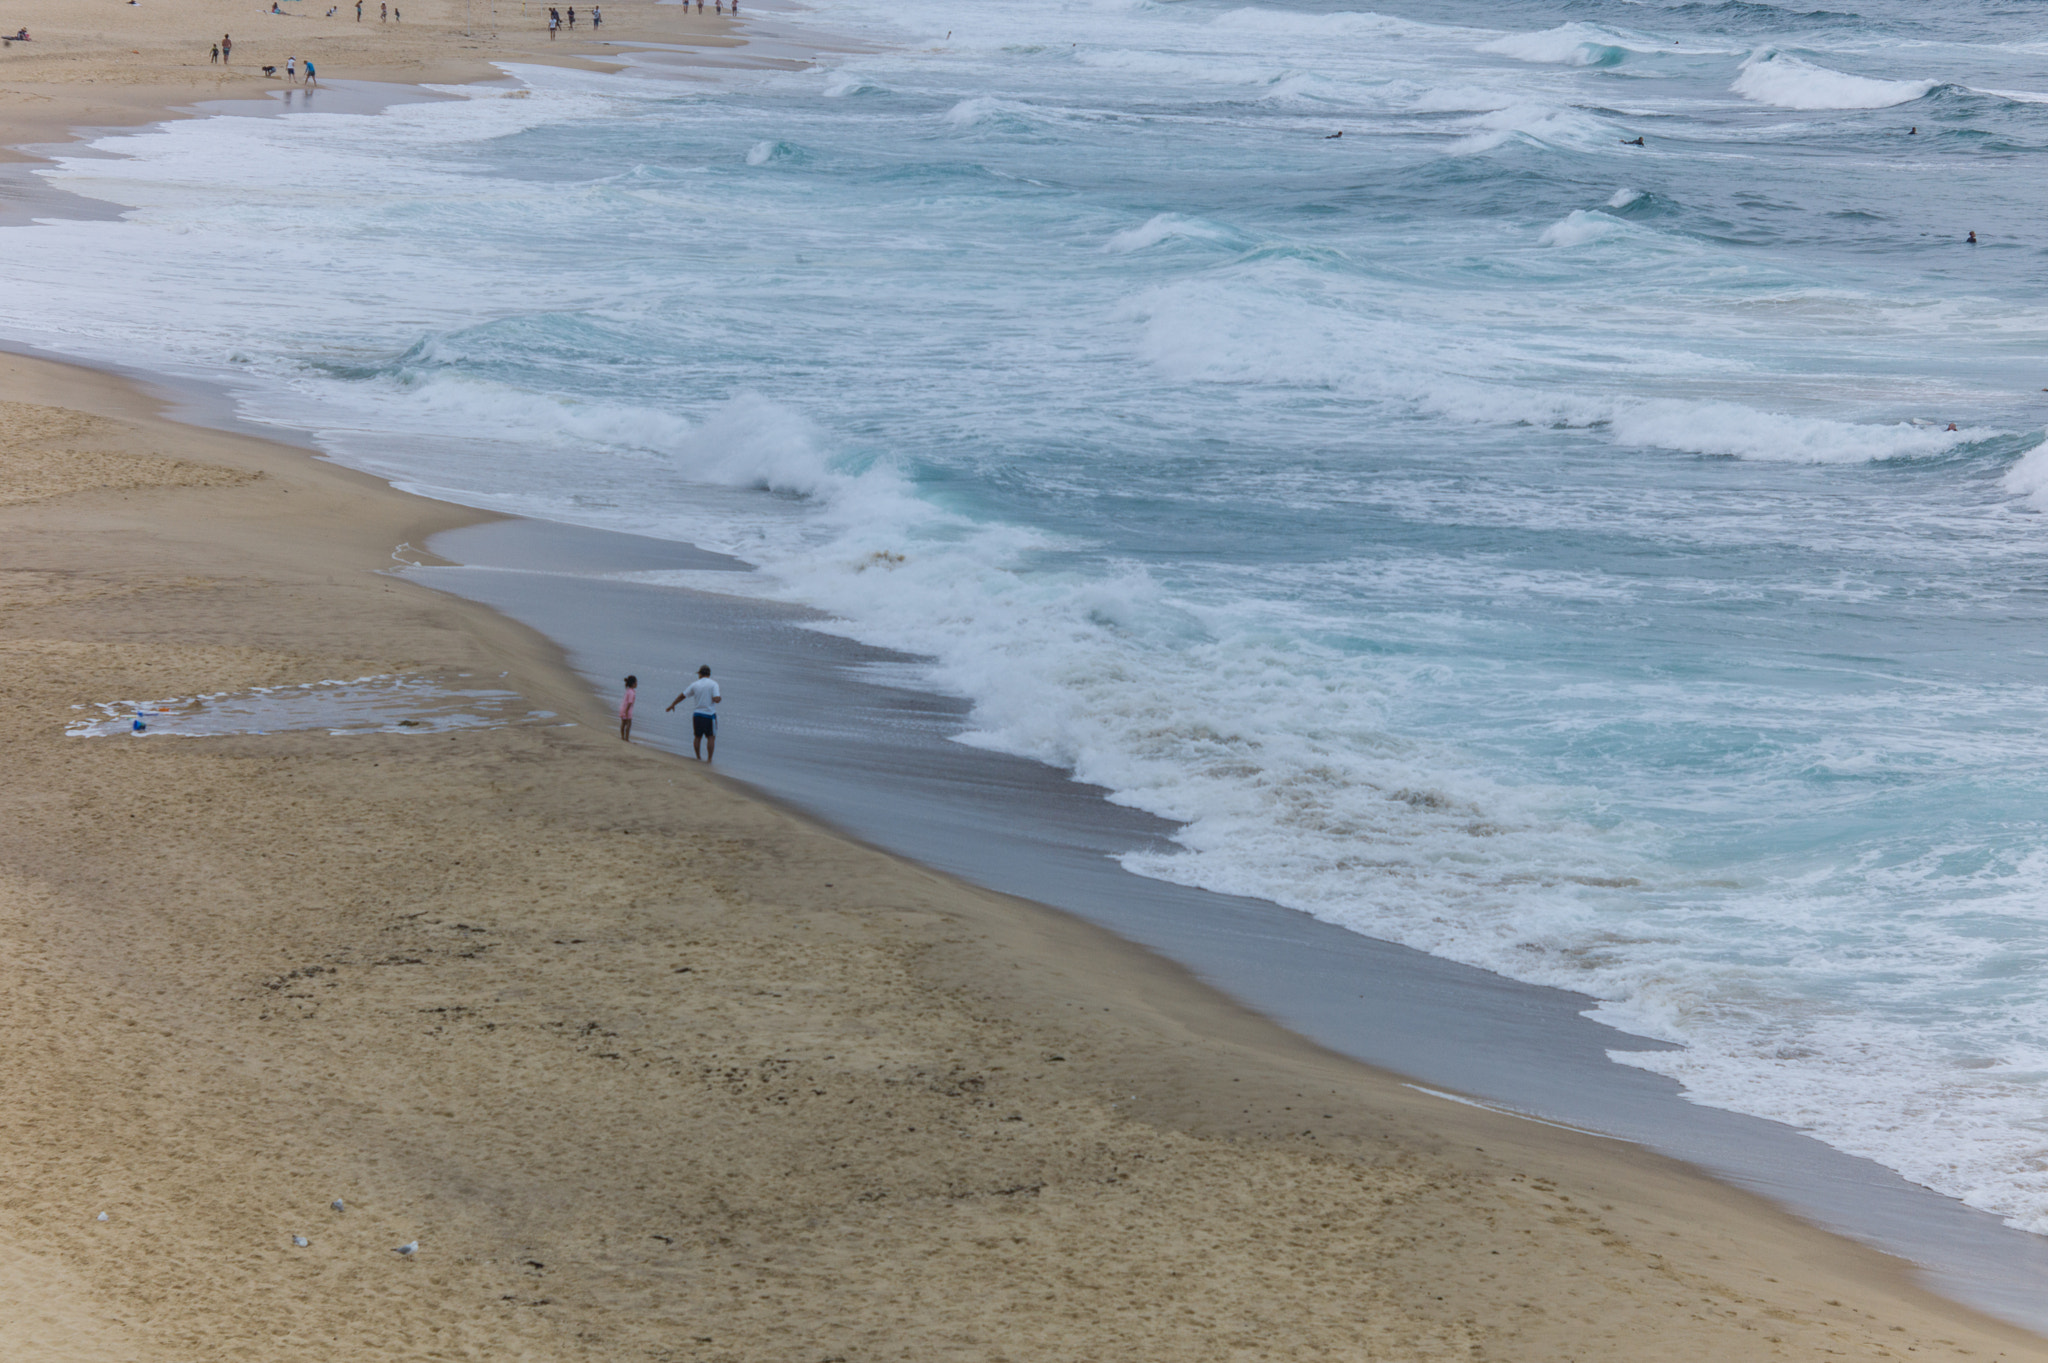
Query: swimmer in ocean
[1971, 240]
[1628, 143]
[1334, 136]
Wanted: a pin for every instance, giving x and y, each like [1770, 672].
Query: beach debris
[382, 704]
[103, 1216]
[301, 1241]
[408, 1250]
[338, 1205]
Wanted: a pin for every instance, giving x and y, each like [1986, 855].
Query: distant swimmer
[1334, 136]
[1627, 143]
[1971, 240]
[1952, 426]
[1913, 131]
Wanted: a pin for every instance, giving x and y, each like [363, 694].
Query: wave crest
[1789, 82]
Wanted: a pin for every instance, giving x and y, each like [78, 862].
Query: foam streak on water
[1482, 532]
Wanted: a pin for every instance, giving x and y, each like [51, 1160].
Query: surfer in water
[1334, 136]
[1626, 142]
[1971, 240]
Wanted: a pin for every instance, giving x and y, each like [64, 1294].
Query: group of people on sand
[702, 694]
[555, 19]
[224, 51]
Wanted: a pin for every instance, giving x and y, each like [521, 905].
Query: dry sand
[650, 1068]
[106, 63]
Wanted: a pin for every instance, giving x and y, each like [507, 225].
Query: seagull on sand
[408, 1250]
[336, 1204]
[301, 1241]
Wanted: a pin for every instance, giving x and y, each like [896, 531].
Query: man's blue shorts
[703, 725]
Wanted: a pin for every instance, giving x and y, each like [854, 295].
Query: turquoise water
[1480, 531]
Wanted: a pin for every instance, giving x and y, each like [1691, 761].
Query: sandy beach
[647, 1067]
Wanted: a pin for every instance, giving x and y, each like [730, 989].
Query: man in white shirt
[703, 697]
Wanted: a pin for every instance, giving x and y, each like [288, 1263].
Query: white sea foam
[1789, 82]
[1222, 335]
[1167, 227]
[2028, 477]
[1581, 227]
[840, 84]
[1569, 44]
[1536, 123]
[988, 109]
[1739, 432]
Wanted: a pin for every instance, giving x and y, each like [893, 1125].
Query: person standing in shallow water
[626, 708]
[704, 697]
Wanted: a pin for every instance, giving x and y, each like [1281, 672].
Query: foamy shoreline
[1434, 1116]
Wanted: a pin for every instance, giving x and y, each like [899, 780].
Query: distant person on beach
[216, 53]
[227, 48]
[572, 16]
[359, 11]
[383, 14]
[291, 68]
[553, 24]
[309, 72]
[626, 708]
[703, 697]
[596, 17]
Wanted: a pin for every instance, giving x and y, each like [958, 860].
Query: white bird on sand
[301, 1241]
[336, 1204]
[103, 1216]
[412, 1248]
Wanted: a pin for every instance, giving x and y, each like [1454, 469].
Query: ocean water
[1621, 567]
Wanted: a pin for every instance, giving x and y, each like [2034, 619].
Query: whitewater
[1617, 566]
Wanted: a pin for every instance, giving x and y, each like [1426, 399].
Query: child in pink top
[626, 708]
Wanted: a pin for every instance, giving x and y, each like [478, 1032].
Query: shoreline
[874, 760]
[545, 676]
[431, 1079]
